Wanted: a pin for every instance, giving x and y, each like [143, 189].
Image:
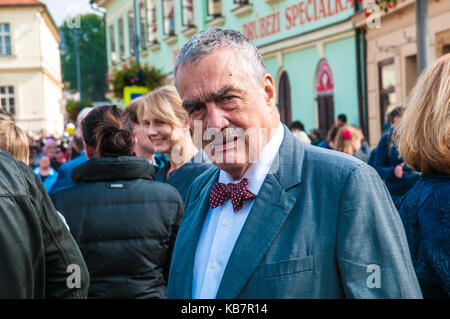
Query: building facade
[391, 55]
[308, 46]
[30, 71]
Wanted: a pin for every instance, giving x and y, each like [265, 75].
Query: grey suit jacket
[323, 226]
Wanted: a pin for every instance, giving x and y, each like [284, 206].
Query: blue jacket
[65, 172]
[385, 161]
[182, 177]
[49, 180]
[425, 212]
[322, 226]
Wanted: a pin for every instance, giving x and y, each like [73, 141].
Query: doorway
[284, 99]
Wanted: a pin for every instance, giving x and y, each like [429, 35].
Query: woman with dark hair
[124, 222]
[398, 176]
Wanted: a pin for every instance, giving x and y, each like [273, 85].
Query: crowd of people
[145, 210]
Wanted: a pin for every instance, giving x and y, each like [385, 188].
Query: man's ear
[269, 89]
[89, 150]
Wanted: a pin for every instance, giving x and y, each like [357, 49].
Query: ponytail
[109, 131]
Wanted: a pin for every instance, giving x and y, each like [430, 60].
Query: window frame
[153, 23]
[217, 15]
[7, 96]
[112, 43]
[121, 39]
[183, 24]
[131, 35]
[3, 36]
[382, 92]
[163, 11]
[143, 24]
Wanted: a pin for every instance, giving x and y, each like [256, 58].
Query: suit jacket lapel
[188, 237]
[268, 214]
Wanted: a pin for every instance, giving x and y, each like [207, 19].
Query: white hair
[213, 39]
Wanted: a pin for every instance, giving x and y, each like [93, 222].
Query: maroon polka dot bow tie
[238, 193]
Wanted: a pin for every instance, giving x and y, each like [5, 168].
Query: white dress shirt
[222, 225]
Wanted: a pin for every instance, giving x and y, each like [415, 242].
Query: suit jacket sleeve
[372, 251]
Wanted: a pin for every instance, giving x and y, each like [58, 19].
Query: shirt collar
[258, 171]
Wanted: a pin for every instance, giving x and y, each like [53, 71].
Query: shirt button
[214, 265]
[224, 222]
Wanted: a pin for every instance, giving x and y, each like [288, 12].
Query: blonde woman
[167, 126]
[348, 140]
[423, 138]
[13, 139]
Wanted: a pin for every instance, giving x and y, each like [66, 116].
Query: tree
[92, 53]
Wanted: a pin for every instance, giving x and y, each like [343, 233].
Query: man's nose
[215, 117]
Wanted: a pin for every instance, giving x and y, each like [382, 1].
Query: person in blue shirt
[423, 138]
[46, 173]
[167, 126]
[398, 176]
[65, 171]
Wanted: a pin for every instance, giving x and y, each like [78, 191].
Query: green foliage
[92, 53]
[133, 74]
[385, 5]
[74, 107]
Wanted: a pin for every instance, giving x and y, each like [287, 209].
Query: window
[112, 43]
[214, 8]
[5, 39]
[388, 97]
[143, 24]
[169, 17]
[121, 40]
[131, 31]
[7, 98]
[188, 13]
[153, 18]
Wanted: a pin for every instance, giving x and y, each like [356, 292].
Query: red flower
[346, 134]
[391, 4]
[367, 13]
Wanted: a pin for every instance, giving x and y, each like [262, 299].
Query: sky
[62, 9]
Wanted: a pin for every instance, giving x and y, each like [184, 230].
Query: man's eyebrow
[211, 96]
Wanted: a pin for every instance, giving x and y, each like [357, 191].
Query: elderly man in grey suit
[276, 218]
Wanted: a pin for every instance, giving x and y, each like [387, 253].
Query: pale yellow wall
[33, 69]
[391, 41]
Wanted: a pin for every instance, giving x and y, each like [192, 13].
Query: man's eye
[196, 108]
[228, 98]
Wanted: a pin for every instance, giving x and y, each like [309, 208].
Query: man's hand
[398, 170]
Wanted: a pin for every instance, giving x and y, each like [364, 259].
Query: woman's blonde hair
[165, 104]
[13, 139]
[344, 138]
[423, 133]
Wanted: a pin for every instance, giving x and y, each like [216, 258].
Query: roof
[20, 2]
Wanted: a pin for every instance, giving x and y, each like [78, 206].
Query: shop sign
[288, 20]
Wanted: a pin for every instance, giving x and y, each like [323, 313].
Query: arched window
[325, 96]
[284, 99]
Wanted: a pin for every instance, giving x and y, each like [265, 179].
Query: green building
[310, 47]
